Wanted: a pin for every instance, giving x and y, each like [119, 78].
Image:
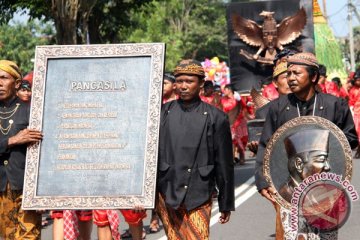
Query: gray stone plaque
[98, 107]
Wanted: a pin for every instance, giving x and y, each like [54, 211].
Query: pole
[351, 36]
[324, 7]
[356, 12]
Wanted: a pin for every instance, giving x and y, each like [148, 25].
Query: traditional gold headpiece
[191, 67]
[11, 68]
[280, 68]
[305, 58]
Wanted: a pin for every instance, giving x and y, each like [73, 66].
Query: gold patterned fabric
[180, 224]
[189, 66]
[15, 223]
[11, 68]
[280, 68]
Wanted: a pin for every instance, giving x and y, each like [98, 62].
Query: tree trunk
[86, 7]
[65, 16]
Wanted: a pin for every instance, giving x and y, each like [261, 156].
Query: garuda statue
[270, 36]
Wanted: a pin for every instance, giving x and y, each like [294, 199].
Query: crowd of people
[203, 134]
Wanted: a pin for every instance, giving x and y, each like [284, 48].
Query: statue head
[269, 30]
[307, 153]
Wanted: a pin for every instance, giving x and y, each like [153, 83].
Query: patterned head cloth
[280, 68]
[306, 141]
[190, 67]
[169, 77]
[11, 68]
[304, 58]
[25, 85]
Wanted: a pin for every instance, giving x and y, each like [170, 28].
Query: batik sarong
[180, 224]
[16, 223]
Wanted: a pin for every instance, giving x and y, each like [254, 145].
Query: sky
[337, 13]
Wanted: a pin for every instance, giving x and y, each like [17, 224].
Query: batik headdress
[191, 67]
[11, 68]
[304, 58]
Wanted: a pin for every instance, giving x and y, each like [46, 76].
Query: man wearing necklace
[304, 100]
[15, 223]
[195, 155]
[302, 77]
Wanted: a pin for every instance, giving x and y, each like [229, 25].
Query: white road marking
[238, 190]
[240, 200]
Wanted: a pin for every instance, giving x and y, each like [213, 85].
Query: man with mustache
[195, 155]
[305, 100]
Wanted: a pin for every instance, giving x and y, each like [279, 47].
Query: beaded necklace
[5, 116]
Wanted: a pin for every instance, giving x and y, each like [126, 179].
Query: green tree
[70, 17]
[191, 29]
[109, 17]
[357, 45]
[345, 47]
[76, 20]
[18, 42]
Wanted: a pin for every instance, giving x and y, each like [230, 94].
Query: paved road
[254, 218]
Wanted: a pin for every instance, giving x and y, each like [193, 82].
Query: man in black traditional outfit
[195, 155]
[304, 100]
[15, 223]
[302, 77]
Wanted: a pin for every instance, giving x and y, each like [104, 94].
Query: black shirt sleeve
[345, 122]
[270, 126]
[224, 166]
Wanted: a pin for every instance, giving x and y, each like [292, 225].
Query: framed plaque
[98, 107]
[320, 141]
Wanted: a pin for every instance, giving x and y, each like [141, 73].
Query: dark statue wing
[291, 27]
[247, 30]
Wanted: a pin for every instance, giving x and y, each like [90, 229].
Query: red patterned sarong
[71, 218]
[71, 226]
[108, 217]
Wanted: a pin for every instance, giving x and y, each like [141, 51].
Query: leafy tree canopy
[18, 42]
[191, 29]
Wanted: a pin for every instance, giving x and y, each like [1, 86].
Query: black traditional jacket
[195, 155]
[285, 108]
[12, 160]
